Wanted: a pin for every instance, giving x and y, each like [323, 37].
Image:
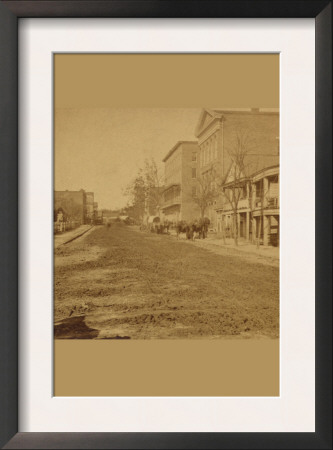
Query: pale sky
[101, 149]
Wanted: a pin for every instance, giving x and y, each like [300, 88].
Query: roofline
[252, 176]
[275, 166]
[174, 148]
[240, 180]
[170, 186]
[218, 113]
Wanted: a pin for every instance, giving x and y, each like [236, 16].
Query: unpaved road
[119, 283]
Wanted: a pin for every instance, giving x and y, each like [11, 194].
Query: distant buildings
[72, 204]
[76, 207]
[89, 206]
[181, 166]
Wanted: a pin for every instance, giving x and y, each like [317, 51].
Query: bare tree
[136, 193]
[206, 190]
[253, 201]
[154, 181]
[257, 194]
[234, 184]
[145, 191]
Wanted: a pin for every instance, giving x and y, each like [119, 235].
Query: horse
[184, 227]
[200, 227]
[203, 223]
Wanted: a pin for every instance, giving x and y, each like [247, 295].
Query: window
[194, 191]
[194, 156]
[194, 172]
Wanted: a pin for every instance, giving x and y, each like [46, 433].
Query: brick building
[218, 131]
[77, 206]
[72, 203]
[181, 166]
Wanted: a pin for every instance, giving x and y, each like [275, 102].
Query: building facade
[76, 206]
[266, 206]
[221, 131]
[257, 209]
[72, 203]
[181, 169]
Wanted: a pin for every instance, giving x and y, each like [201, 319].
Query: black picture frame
[10, 12]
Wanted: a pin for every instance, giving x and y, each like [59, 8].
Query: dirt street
[121, 283]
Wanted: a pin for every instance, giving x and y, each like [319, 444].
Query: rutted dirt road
[122, 284]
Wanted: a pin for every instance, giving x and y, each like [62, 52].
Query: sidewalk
[250, 251]
[245, 246]
[67, 236]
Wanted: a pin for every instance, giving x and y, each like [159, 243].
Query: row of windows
[208, 151]
[173, 168]
[172, 194]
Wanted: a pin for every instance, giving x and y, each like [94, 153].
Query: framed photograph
[166, 274]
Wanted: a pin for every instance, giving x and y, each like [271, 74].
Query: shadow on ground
[74, 328]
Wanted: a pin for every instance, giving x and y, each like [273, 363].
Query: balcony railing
[243, 203]
[171, 202]
[272, 202]
[269, 202]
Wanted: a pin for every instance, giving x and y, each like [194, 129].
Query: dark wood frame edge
[10, 12]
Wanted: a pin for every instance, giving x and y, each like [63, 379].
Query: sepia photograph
[157, 294]
[166, 220]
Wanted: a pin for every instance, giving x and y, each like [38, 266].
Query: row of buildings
[77, 207]
[230, 174]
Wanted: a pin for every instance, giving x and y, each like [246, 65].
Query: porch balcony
[171, 202]
[269, 203]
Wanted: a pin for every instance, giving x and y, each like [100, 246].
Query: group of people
[160, 227]
[196, 229]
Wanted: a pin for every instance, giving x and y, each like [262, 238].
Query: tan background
[166, 80]
[230, 367]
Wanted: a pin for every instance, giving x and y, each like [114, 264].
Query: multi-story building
[265, 206]
[181, 166]
[254, 203]
[72, 203]
[221, 133]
